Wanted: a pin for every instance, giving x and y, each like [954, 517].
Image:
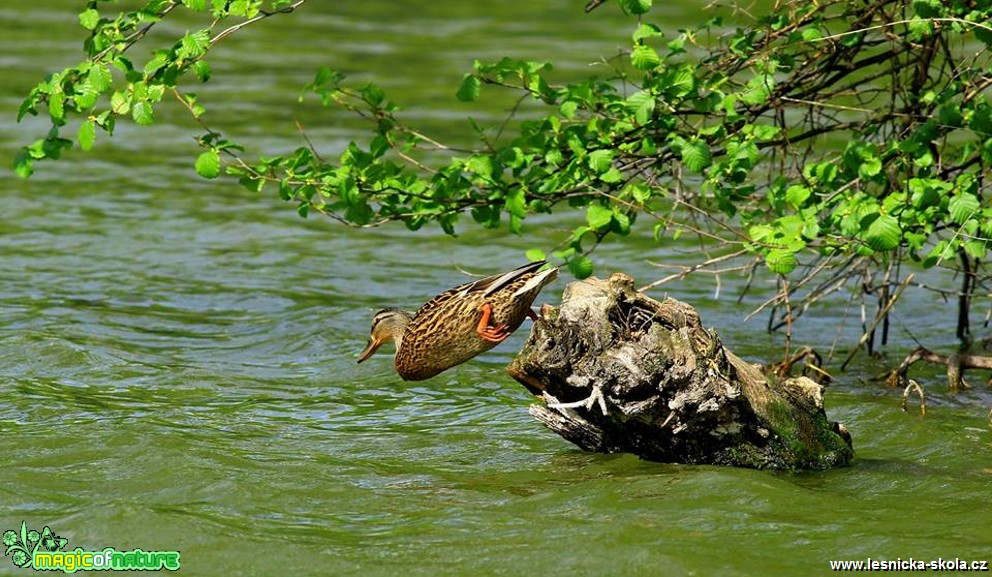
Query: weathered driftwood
[622, 372]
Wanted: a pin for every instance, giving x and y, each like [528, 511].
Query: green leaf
[641, 103]
[764, 132]
[196, 109]
[487, 216]
[89, 18]
[23, 164]
[373, 94]
[568, 109]
[696, 155]
[758, 90]
[797, 194]
[516, 203]
[919, 29]
[635, 7]
[56, 107]
[202, 70]
[142, 112]
[923, 195]
[983, 33]
[781, 261]
[208, 164]
[611, 176]
[950, 115]
[645, 30]
[601, 160]
[49, 147]
[379, 146]
[942, 251]
[196, 5]
[512, 157]
[644, 57]
[86, 134]
[481, 165]
[469, 89]
[100, 78]
[581, 267]
[962, 207]
[679, 81]
[870, 166]
[86, 95]
[883, 233]
[621, 223]
[364, 215]
[120, 103]
[927, 8]
[28, 106]
[156, 63]
[746, 153]
[534, 255]
[598, 216]
[975, 248]
[194, 45]
[515, 224]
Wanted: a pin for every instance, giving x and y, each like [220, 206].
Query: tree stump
[622, 372]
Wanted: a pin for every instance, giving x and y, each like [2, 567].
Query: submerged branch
[955, 363]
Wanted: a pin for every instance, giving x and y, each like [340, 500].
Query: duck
[459, 323]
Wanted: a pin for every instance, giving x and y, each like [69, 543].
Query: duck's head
[387, 325]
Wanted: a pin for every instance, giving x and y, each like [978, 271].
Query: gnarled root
[618, 371]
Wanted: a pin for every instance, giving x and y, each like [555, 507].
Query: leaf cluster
[828, 138]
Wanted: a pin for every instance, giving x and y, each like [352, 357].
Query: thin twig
[138, 34]
[261, 16]
[878, 318]
[691, 269]
[306, 138]
[897, 23]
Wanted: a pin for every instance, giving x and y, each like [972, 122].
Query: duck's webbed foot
[492, 334]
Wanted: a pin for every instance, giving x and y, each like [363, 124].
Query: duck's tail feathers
[537, 282]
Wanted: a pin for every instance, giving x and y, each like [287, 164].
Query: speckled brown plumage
[443, 332]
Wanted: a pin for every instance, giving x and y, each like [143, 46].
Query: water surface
[177, 356]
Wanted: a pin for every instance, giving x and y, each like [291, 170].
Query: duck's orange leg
[491, 334]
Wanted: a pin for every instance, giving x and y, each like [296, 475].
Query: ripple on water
[177, 357]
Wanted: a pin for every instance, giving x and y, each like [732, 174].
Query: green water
[177, 356]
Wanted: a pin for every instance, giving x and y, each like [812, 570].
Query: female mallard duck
[460, 323]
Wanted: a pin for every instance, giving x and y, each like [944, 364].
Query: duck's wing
[486, 286]
[492, 284]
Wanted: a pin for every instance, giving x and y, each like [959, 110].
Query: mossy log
[621, 372]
